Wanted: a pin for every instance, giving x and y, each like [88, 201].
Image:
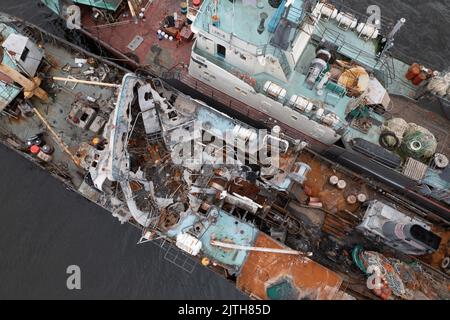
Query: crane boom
[260, 249]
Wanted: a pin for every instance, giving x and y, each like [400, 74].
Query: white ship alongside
[282, 61]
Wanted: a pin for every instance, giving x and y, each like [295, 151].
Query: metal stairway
[284, 64]
[281, 56]
[154, 137]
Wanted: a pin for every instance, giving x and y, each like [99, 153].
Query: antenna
[396, 28]
[390, 38]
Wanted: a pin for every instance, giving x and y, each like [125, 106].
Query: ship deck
[337, 219]
[240, 18]
[158, 55]
[62, 97]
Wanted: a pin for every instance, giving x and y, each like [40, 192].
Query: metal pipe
[95, 83]
[260, 249]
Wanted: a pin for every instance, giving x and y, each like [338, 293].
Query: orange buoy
[215, 20]
[419, 78]
[413, 71]
[34, 149]
[205, 261]
[96, 141]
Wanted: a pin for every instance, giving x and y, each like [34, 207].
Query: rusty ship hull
[112, 139]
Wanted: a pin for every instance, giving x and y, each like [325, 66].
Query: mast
[390, 38]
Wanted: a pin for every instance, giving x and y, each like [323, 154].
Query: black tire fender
[389, 134]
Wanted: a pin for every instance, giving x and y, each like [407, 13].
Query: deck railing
[339, 40]
[386, 24]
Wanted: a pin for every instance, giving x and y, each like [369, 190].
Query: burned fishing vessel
[320, 71]
[265, 210]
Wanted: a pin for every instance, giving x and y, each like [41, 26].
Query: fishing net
[418, 142]
[440, 85]
[404, 280]
[375, 261]
[398, 127]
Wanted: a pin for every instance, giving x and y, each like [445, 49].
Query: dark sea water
[426, 34]
[44, 228]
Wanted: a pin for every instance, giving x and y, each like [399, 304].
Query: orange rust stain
[312, 280]
[316, 185]
[135, 186]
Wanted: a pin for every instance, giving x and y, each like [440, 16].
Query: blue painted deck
[241, 19]
[400, 85]
[350, 45]
[389, 71]
[185, 223]
[295, 14]
[228, 229]
[53, 5]
[275, 19]
[225, 228]
[365, 53]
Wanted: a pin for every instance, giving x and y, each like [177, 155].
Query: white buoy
[440, 160]
[351, 199]
[333, 180]
[276, 130]
[341, 184]
[362, 197]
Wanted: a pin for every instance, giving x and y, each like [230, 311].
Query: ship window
[24, 54]
[294, 117]
[221, 51]
[84, 117]
[172, 114]
[240, 90]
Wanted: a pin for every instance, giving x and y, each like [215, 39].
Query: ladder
[294, 13]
